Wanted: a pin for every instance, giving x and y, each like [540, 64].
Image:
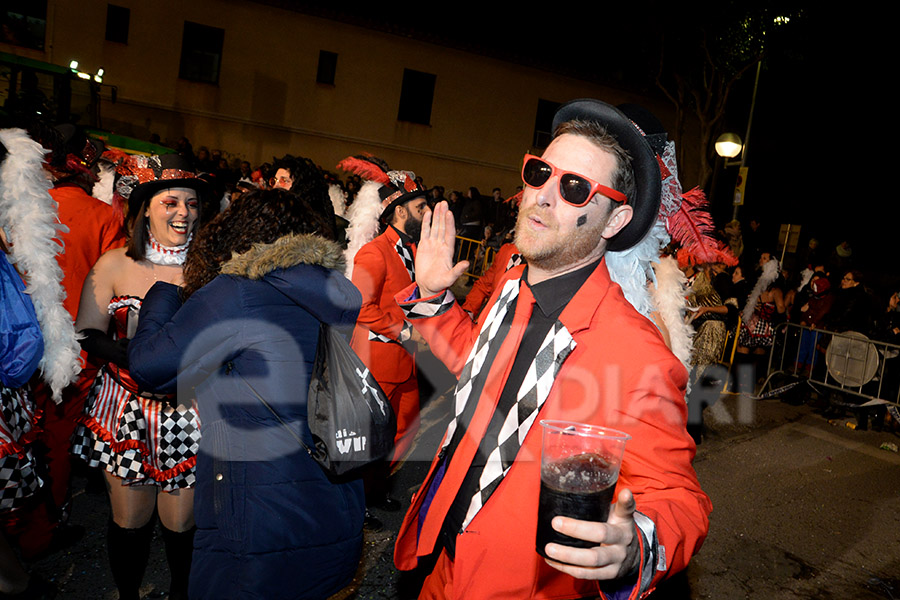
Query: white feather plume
[338, 199]
[29, 215]
[364, 215]
[631, 268]
[668, 296]
[654, 284]
[769, 274]
[103, 189]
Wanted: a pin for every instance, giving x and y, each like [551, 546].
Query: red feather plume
[692, 227]
[515, 199]
[360, 165]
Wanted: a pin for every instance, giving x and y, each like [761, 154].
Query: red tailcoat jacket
[620, 375]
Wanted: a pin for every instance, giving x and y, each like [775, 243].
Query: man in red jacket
[383, 338]
[558, 340]
[507, 257]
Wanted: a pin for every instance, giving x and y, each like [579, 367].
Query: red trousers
[404, 399]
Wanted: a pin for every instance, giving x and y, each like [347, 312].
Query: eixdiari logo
[231, 425]
[207, 361]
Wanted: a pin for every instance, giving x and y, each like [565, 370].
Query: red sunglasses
[575, 189]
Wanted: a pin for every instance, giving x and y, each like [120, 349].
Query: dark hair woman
[259, 281]
[301, 176]
[145, 442]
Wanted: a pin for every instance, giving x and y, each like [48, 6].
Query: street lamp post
[727, 146]
[743, 173]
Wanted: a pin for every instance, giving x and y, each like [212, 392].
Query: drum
[851, 359]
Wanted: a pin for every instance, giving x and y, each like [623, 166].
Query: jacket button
[219, 477]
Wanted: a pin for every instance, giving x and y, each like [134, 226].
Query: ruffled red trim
[18, 448]
[120, 446]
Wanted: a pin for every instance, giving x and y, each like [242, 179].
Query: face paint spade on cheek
[581, 221]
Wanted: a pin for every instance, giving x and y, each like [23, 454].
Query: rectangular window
[327, 67]
[24, 23]
[201, 53]
[416, 97]
[117, 18]
[543, 123]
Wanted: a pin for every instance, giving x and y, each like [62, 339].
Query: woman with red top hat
[146, 442]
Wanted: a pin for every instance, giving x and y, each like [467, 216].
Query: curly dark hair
[309, 182]
[260, 216]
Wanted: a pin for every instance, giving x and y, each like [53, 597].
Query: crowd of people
[196, 293]
[486, 220]
[756, 295]
[817, 292]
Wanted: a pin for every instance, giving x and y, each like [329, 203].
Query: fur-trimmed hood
[286, 252]
[306, 269]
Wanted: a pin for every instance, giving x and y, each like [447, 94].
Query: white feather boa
[668, 296]
[29, 215]
[631, 268]
[652, 284]
[364, 215]
[769, 274]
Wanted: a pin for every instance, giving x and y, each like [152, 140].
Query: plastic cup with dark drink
[579, 468]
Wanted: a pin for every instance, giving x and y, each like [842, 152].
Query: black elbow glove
[98, 344]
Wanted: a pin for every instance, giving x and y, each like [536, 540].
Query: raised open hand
[435, 270]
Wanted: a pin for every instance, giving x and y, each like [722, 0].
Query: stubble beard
[547, 249]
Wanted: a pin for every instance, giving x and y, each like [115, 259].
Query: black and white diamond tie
[406, 256]
[535, 388]
[479, 353]
[514, 261]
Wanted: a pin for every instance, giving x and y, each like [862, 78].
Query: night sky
[814, 143]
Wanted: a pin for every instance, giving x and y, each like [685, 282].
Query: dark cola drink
[579, 486]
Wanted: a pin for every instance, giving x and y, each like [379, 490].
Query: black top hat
[643, 162]
[74, 153]
[150, 174]
[402, 187]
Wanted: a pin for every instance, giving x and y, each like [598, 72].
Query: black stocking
[129, 550]
[179, 546]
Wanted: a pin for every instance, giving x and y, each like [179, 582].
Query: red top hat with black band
[396, 188]
[142, 176]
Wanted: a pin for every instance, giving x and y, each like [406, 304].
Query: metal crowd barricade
[479, 255]
[854, 364]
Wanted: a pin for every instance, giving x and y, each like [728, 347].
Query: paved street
[804, 508]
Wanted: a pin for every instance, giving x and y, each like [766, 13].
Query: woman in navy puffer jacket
[269, 522]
